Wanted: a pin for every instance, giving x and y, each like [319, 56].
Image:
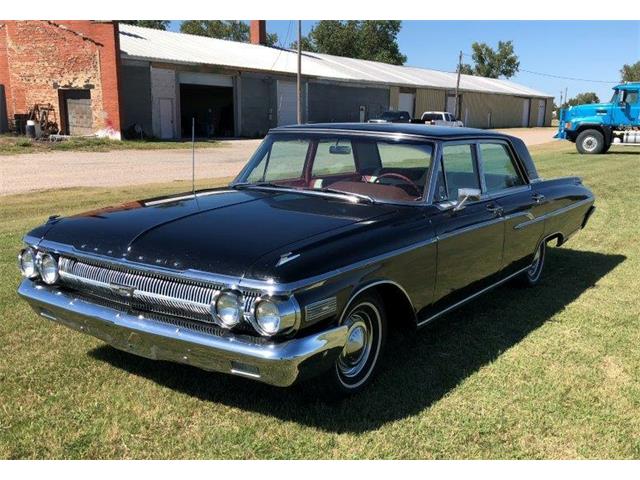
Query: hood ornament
[286, 258]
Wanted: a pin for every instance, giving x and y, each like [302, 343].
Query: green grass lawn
[548, 372]
[13, 145]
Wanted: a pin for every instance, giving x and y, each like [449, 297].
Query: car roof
[426, 131]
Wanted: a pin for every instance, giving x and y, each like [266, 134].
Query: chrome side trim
[470, 228]
[279, 364]
[470, 297]
[559, 211]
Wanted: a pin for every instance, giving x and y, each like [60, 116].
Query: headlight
[27, 262]
[228, 310]
[268, 317]
[48, 267]
[272, 317]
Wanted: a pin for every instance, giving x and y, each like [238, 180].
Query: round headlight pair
[33, 264]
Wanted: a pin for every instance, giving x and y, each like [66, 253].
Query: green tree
[235, 30]
[630, 73]
[157, 24]
[581, 99]
[364, 39]
[490, 63]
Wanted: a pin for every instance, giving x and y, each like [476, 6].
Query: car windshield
[367, 168]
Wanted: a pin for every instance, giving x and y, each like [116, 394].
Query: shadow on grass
[419, 369]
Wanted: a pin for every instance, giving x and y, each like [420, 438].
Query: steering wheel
[399, 176]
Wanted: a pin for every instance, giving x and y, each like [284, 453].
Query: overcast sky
[586, 50]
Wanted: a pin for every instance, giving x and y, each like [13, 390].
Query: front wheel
[590, 142]
[356, 365]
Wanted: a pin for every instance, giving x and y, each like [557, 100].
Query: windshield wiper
[359, 196]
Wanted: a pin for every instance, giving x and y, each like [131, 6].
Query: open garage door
[210, 106]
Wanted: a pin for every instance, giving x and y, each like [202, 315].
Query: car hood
[588, 109]
[218, 231]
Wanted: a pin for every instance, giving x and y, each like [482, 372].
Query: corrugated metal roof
[149, 44]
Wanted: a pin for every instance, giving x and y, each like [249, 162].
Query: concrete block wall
[38, 58]
[332, 102]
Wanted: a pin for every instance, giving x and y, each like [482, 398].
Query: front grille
[142, 290]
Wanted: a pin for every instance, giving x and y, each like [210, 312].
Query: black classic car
[330, 236]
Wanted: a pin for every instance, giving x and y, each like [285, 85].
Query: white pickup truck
[444, 119]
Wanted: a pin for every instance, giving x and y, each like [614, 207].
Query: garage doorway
[406, 102]
[287, 104]
[75, 109]
[210, 106]
[526, 109]
[541, 113]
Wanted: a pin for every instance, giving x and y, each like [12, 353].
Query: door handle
[538, 197]
[495, 209]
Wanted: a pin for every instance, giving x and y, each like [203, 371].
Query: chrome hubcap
[356, 351]
[589, 144]
[533, 269]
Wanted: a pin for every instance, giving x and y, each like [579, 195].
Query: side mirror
[465, 195]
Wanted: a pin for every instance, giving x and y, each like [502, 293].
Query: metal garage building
[107, 78]
[244, 89]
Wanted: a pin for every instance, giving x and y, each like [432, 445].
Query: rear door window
[458, 170]
[498, 167]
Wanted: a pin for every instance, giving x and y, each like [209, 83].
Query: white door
[406, 102]
[526, 107]
[287, 109]
[541, 112]
[451, 104]
[166, 118]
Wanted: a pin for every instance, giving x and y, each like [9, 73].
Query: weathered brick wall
[37, 58]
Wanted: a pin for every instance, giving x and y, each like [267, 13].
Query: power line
[568, 78]
[559, 76]
[281, 45]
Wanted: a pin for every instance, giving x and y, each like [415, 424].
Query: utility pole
[560, 104]
[566, 99]
[299, 77]
[455, 113]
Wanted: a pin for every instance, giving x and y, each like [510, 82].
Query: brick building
[98, 77]
[69, 67]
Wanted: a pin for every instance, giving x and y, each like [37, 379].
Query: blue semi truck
[594, 127]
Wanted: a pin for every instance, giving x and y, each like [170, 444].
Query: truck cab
[595, 127]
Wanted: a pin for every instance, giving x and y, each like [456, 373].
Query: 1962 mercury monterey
[331, 235]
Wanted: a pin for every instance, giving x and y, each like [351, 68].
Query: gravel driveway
[42, 171]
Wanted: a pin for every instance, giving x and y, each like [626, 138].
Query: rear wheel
[531, 276]
[590, 142]
[356, 365]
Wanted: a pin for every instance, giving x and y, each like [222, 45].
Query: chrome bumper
[279, 364]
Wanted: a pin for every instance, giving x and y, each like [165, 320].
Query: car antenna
[193, 156]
